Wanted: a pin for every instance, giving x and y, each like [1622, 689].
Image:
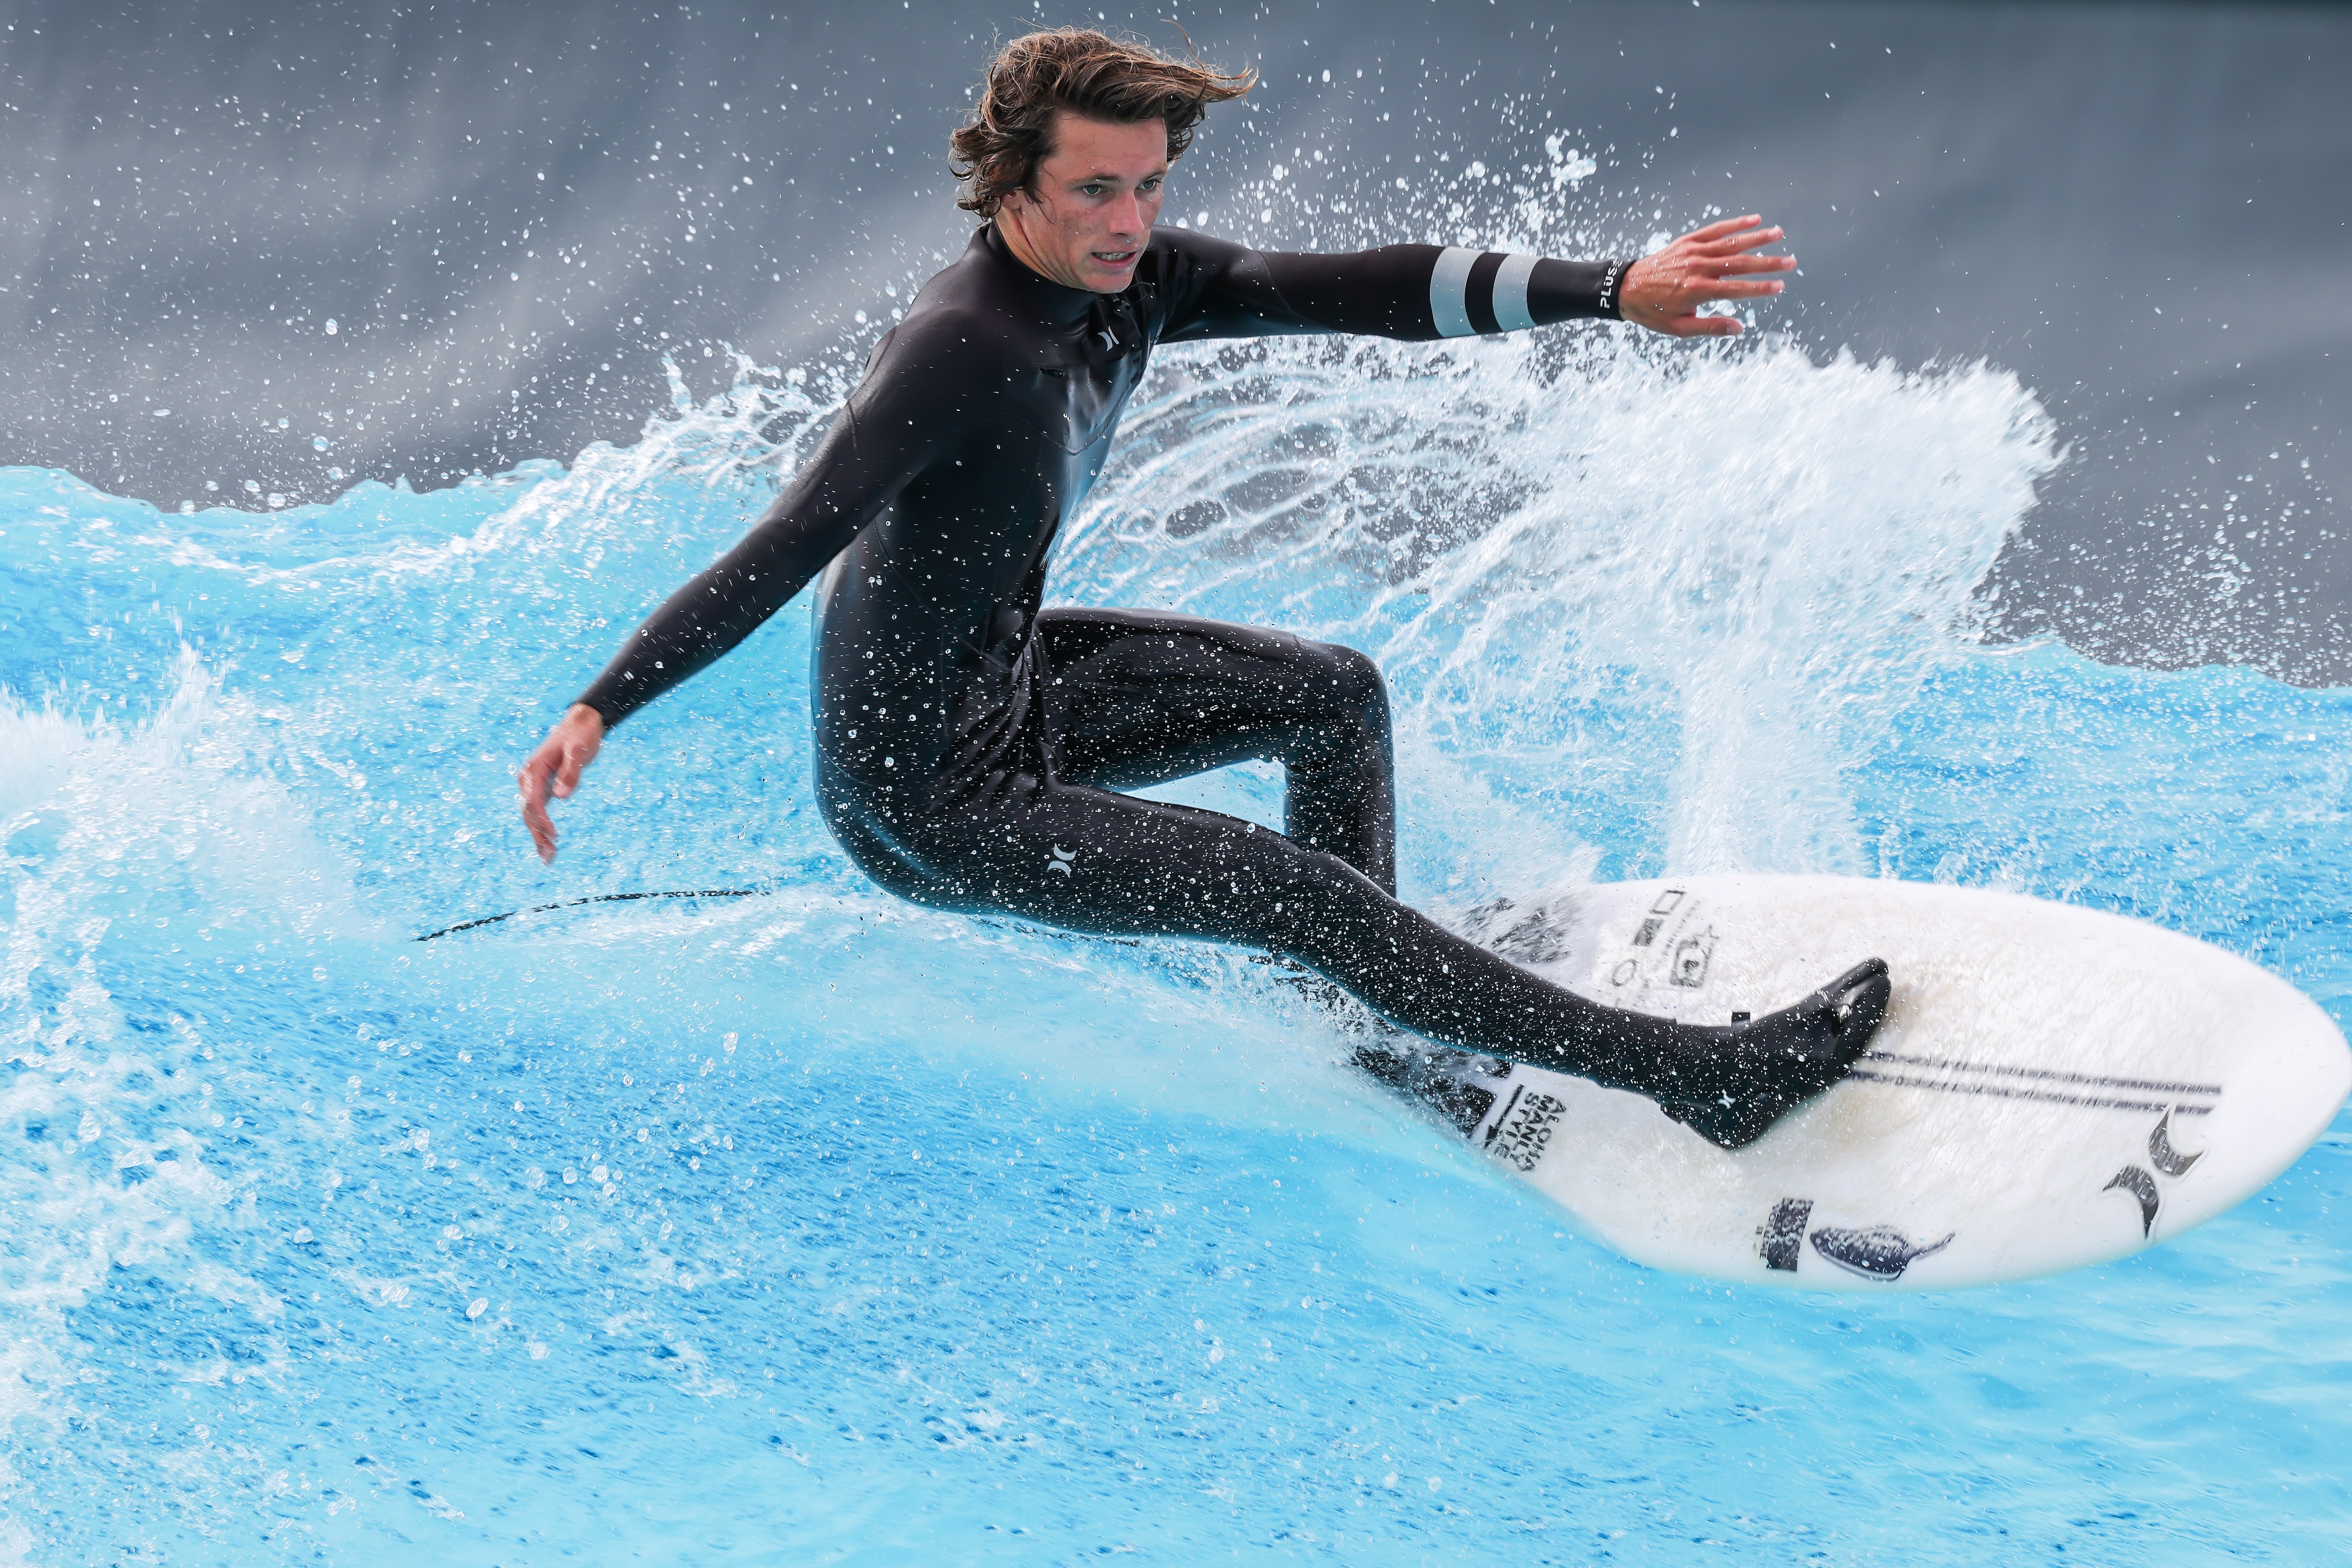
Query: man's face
[1091, 204]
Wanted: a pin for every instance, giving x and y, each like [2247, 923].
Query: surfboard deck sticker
[2053, 1086]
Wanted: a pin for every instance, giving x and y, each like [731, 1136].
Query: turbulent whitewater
[815, 1226]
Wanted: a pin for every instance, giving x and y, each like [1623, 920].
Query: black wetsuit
[970, 745]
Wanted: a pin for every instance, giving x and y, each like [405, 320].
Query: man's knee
[1354, 678]
[1355, 692]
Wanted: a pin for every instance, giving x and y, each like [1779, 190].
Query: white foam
[1745, 562]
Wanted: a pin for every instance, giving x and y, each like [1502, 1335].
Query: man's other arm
[1421, 292]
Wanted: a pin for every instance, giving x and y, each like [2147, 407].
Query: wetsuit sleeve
[1411, 291]
[878, 444]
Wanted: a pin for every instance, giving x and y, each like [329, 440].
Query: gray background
[511, 212]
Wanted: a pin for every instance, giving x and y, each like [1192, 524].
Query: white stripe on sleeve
[1511, 313]
[1449, 292]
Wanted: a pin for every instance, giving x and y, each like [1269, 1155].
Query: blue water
[813, 1226]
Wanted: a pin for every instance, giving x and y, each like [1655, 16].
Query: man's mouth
[1114, 258]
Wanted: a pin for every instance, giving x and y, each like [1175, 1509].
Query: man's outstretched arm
[868, 455]
[1426, 291]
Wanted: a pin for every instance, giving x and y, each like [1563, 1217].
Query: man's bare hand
[1664, 292]
[570, 747]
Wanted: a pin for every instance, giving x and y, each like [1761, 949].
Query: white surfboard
[2053, 1086]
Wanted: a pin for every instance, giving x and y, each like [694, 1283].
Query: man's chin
[1102, 278]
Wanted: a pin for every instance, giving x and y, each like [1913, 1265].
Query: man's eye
[1148, 185]
[1090, 189]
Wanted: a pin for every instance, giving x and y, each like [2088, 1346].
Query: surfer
[971, 745]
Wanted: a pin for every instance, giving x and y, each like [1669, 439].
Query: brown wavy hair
[1089, 74]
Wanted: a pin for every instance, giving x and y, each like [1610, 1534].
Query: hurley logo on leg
[1062, 862]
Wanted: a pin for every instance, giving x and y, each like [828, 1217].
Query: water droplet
[331, 327]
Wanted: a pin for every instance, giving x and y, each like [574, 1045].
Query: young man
[970, 745]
